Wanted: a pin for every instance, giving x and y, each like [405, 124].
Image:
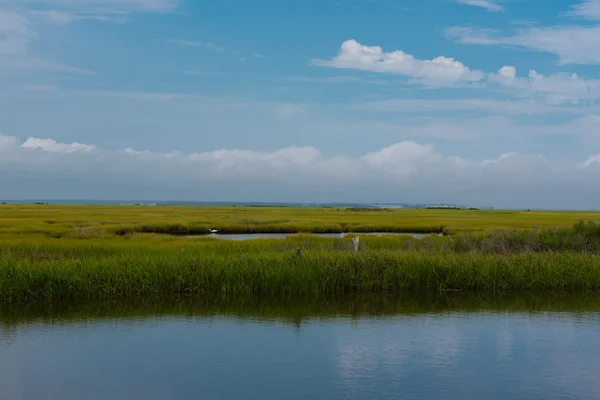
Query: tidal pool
[252, 236]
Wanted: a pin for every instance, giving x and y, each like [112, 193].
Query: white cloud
[192, 43]
[588, 9]
[489, 5]
[8, 142]
[15, 33]
[466, 35]
[500, 159]
[508, 72]
[471, 105]
[65, 18]
[485, 129]
[12, 23]
[52, 146]
[572, 44]
[64, 12]
[595, 159]
[258, 55]
[405, 171]
[100, 6]
[555, 89]
[440, 71]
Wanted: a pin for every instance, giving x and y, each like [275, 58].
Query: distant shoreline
[231, 203]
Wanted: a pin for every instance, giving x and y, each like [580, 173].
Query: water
[431, 348]
[252, 236]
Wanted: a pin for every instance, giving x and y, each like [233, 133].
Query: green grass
[95, 252]
[272, 268]
[99, 221]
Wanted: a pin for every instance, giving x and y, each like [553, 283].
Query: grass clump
[582, 237]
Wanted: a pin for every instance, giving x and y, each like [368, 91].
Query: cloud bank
[402, 172]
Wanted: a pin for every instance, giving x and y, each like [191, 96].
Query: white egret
[355, 242]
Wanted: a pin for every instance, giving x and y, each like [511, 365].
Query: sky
[477, 102]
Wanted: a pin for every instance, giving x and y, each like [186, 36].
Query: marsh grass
[94, 252]
[58, 221]
[582, 237]
[564, 260]
[131, 273]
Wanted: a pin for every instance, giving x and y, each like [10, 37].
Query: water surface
[252, 236]
[411, 348]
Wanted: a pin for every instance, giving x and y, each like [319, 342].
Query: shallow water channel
[450, 347]
[252, 236]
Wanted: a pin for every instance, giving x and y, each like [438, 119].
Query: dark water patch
[299, 307]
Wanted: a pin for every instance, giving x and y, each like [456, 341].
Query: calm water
[432, 348]
[252, 236]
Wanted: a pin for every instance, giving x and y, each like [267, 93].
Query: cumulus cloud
[508, 72]
[556, 89]
[405, 171]
[489, 5]
[440, 71]
[52, 146]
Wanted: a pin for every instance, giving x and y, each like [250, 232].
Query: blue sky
[470, 101]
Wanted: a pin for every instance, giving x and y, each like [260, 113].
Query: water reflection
[411, 347]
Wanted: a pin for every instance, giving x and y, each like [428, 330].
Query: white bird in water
[213, 231]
